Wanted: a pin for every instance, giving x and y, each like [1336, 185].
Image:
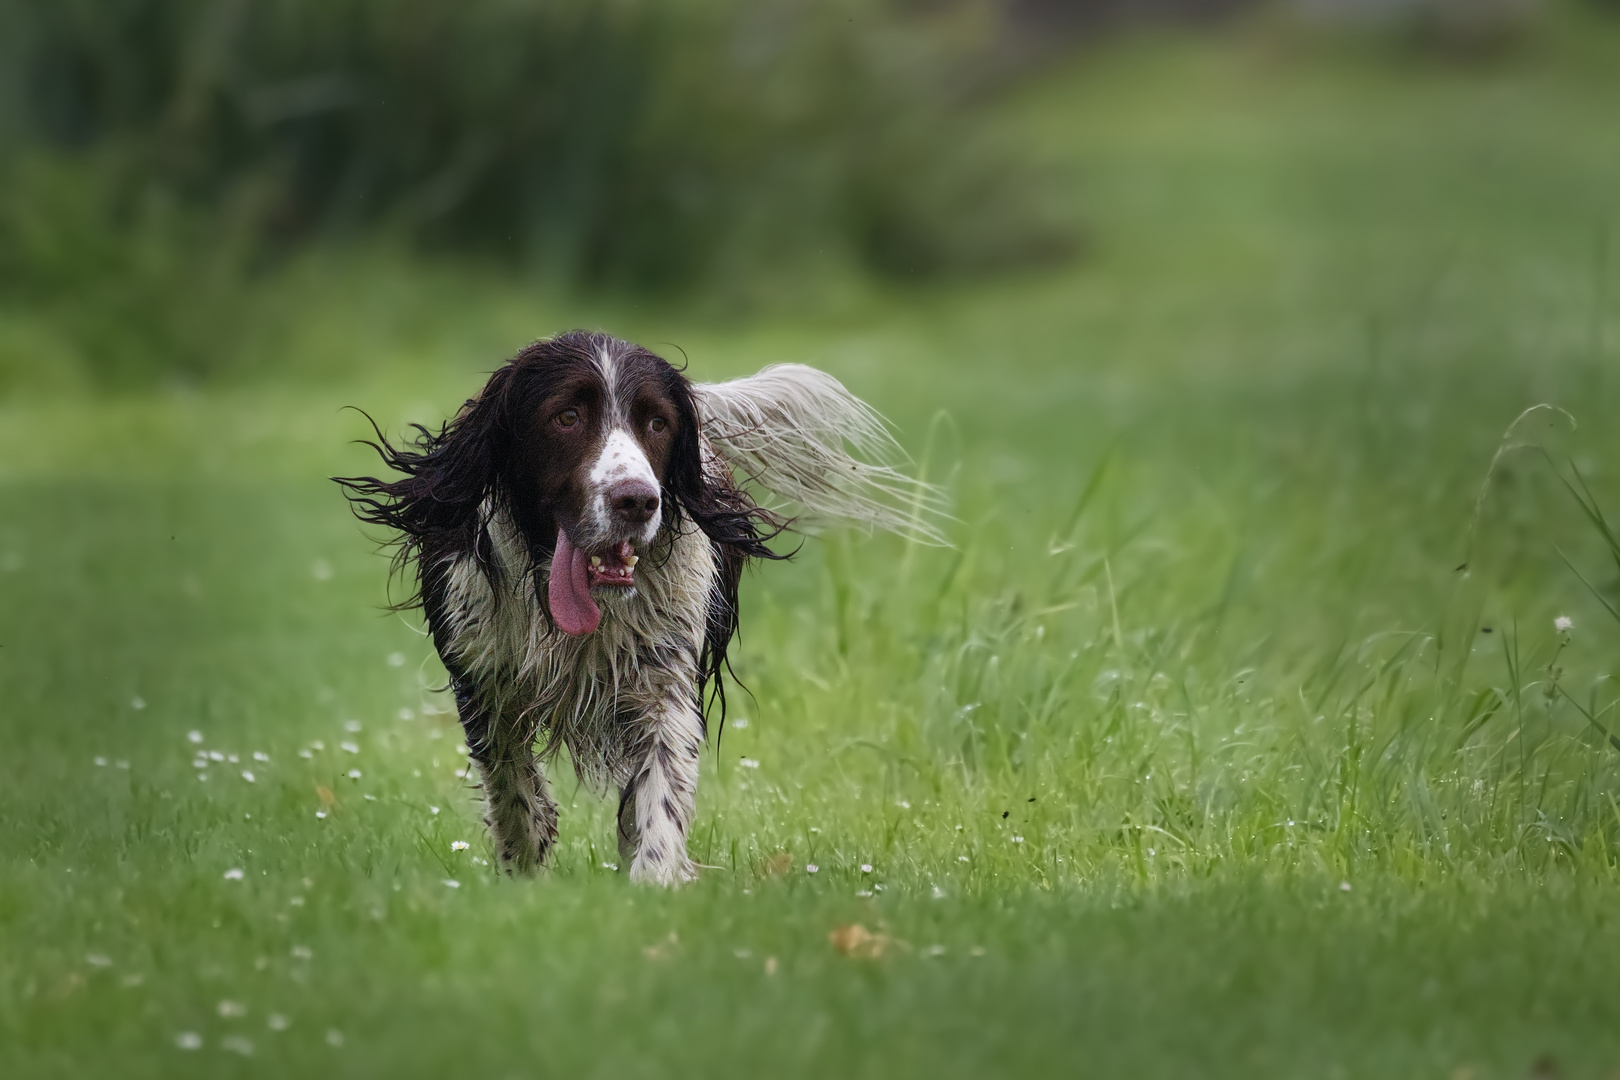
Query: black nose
[633, 501]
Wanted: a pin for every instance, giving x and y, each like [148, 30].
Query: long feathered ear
[786, 430]
[437, 504]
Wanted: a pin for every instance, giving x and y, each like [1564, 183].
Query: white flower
[1563, 624]
[866, 868]
[811, 868]
[188, 1040]
[748, 763]
[233, 759]
[459, 845]
[137, 703]
[1018, 839]
[194, 736]
[96, 959]
[939, 893]
[317, 744]
[740, 723]
[320, 815]
[236, 1044]
[228, 1008]
[903, 804]
[200, 763]
[334, 1037]
[610, 866]
[101, 762]
[301, 952]
[962, 858]
[1344, 886]
[433, 809]
[934, 950]
[306, 754]
[260, 755]
[396, 659]
[354, 774]
[452, 883]
[120, 764]
[247, 774]
[215, 755]
[351, 726]
[350, 746]
[233, 874]
[407, 714]
[864, 894]
[277, 1022]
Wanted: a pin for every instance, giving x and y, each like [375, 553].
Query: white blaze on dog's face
[621, 471]
[591, 470]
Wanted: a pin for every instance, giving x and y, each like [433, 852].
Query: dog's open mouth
[574, 574]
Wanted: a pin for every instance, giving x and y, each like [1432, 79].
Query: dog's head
[591, 446]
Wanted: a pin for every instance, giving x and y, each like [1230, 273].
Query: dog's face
[595, 428]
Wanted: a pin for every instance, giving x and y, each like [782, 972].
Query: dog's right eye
[567, 418]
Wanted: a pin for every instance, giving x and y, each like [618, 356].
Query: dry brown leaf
[770, 965]
[778, 864]
[857, 941]
[327, 798]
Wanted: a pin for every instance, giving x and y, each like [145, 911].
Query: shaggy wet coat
[576, 536]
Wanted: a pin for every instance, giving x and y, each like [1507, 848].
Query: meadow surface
[1232, 737]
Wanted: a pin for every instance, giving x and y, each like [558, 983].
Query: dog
[576, 536]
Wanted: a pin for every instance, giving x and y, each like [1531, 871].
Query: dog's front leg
[656, 807]
[520, 812]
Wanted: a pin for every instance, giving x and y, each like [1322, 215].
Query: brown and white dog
[577, 534]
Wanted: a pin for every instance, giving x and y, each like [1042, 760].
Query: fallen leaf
[778, 864]
[327, 798]
[857, 941]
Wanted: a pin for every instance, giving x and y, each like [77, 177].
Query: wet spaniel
[576, 535]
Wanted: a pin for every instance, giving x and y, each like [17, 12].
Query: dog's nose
[633, 501]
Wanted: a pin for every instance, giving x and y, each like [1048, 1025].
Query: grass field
[1198, 755]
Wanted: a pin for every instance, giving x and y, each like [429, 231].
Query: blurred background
[167, 167]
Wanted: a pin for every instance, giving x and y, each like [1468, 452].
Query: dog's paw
[668, 873]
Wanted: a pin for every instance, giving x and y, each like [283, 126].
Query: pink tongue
[569, 590]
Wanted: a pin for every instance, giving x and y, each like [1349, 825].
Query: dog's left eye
[568, 417]
[658, 423]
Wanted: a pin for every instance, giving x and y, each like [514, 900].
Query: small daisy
[354, 774]
[247, 774]
[459, 845]
[1563, 624]
[301, 952]
[939, 893]
[320, 815]
[749, 763]
[1018, 839]
[351, 726]
[194, 736]
[433, 809]
[137, 703]
[188, 1040]
[261, 756]
[276, 1022]
[349, 746]
[96, 959]
[228, 1008]
[101, 762]
[866, 868]
[451, 883]
[233, 874]
[811, 868]
[306, 754]
[236, 1044]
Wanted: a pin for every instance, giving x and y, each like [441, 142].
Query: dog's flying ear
[448, 475]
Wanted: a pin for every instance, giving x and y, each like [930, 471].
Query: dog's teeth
[631, 561]
[596, 560]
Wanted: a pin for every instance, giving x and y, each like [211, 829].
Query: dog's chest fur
[587, 693]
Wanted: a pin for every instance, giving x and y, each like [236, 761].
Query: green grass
[1192, 758]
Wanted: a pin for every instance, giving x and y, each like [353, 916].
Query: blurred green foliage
[726, 145]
